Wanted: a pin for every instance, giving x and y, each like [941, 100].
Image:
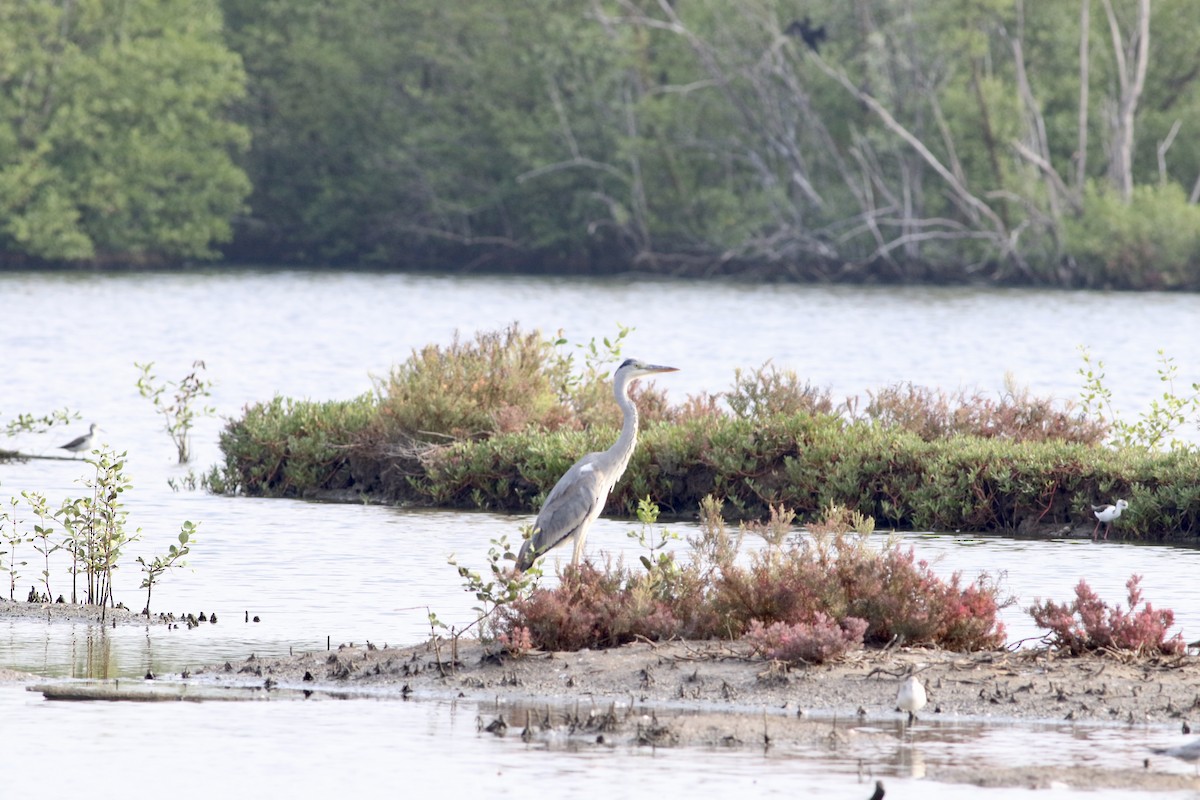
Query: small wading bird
[911, 697]
[81, 443]
[1189, 752]
[1107, 514]
[579, 496]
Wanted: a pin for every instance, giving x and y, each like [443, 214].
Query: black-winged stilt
[1106, 514]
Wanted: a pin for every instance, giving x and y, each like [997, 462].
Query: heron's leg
[578, 550]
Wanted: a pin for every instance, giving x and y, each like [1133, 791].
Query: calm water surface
[315, 573]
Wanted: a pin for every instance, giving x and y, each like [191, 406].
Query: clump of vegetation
[814, 642]
[837, 574]
[769, 392]
[606, 606]
[179, 413]
[1146, 241]
[500, 382]
[1088, 624]
[799, 598]
[594, 607]
[1016, 415]
[912, 458]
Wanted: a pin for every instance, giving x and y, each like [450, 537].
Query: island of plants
[493, 422]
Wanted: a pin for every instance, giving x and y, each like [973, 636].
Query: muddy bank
[76, 612]
[714, 694]
[725, 676]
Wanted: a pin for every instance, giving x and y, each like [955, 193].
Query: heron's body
[580, 494]
[1106, 514]
[911, 697]
[81, 443]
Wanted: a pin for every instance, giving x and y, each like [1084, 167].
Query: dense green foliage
[114, 141]
[940, 140]
[960, 140]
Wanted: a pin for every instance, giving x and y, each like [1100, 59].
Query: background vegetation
[955, 140]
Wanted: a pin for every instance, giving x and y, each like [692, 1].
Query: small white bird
[1106, 514]
[1189, 752]
[911, 697]
[81, 443]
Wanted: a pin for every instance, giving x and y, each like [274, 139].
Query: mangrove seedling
[181, 412]
[102, 525]
[505, 586]
[659, 564]
[41, 534]
[1155, 427]
[171, 559]
[10, 528]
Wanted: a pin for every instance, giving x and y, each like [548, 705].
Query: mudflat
[684, 693]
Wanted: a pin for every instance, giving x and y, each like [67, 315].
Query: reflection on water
[78, 649]
[324, 748]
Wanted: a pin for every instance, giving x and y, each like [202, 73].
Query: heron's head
[636, 368]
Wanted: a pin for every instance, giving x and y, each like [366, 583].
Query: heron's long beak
[657, 368]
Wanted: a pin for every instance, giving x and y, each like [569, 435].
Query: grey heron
[1106, 514]
[579, 496]
[81, 443]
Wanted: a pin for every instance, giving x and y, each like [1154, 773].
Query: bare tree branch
[977, 208]
[1162, 149]
[1130, 91]
[1085, 24]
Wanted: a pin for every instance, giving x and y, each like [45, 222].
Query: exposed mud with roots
[717, 694]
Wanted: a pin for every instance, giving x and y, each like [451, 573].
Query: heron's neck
[623, 448]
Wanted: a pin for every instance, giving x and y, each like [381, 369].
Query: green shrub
[772, 392]
[288, 448]
[501, 382]
[1150, 242]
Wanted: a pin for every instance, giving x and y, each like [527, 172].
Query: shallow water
[321, 573]
[323, 747]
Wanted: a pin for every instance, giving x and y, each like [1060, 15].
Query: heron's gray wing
[567, 507]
